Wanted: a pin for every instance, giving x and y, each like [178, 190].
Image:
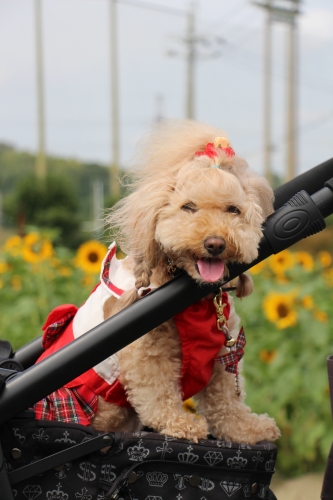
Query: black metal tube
[311, 181]
[115, 333]
[324, 198]
[29, 353]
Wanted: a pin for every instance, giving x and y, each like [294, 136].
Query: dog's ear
[244, 286]
[261, 192]
[135, 218]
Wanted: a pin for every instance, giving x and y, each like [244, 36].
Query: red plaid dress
[76, 402]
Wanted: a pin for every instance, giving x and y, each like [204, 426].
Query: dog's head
[201, 207]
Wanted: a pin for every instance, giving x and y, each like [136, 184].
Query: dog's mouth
[210, 270]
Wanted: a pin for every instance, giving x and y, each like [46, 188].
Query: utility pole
[114, 186]
[98, 205]
[192, 40]
[291, 95]
[268, 96]
[191, 57]
[284, 11]
[40, 159]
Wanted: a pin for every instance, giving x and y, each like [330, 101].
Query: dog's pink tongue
[210, 269]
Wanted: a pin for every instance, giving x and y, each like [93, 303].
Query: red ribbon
[232, 358]
[210, 151]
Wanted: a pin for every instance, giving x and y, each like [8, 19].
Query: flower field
[35, 278]
[288, 322]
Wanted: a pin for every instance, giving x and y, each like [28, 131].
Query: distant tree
[51, 202]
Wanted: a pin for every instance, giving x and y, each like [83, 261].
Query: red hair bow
[210, 149]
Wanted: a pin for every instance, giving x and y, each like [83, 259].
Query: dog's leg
[111, 418]
[150, 372]
[227, 415]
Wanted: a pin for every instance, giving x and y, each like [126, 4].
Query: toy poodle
[194, 206]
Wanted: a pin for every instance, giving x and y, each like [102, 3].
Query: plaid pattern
[53, 331]
[67, 405]
[232, 358]
[106, 267]
[105, 274]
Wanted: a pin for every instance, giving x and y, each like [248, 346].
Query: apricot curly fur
[152, 226]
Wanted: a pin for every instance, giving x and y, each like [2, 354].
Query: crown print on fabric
[237, 462]
[138, 453]
[188, 456]
[156, 479]
[56, 494]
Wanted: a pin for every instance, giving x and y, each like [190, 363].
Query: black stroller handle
[302, 216]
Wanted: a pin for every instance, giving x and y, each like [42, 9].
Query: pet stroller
[58, 461]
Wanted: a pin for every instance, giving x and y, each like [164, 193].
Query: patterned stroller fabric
[140, 466]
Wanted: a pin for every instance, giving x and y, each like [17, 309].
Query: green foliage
[15, 166]
[34, 283]
[285, 357]
[51, 202]
[285, 369]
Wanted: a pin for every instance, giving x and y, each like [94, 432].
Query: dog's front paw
[249, 428]
[268, 430]
[186, 426]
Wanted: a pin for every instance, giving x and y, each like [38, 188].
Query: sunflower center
[37, 247]
[282, 310]
[93, 257]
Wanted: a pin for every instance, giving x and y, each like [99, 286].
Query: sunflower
[307, 301]
[90, 256]
[305, 260]
[88, 280]
[281, 262]
[16, 283]
[324, 258]
[65, 271]
[14, 245]
[267, 356]
[36, 248]
[4, 267]
[328, 276]
[55, 262]
[278, 309]
[258, 267]
[320, 316]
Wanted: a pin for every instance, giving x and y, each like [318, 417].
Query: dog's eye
[189, 207]
[233, 210]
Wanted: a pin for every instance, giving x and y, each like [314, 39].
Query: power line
[303, 129]
[230, 14]
[152, 6]
[276, 72]
[316, 123]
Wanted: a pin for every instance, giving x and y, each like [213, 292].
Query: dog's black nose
[214, 245]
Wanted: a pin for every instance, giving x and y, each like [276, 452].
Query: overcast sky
[229, 88]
